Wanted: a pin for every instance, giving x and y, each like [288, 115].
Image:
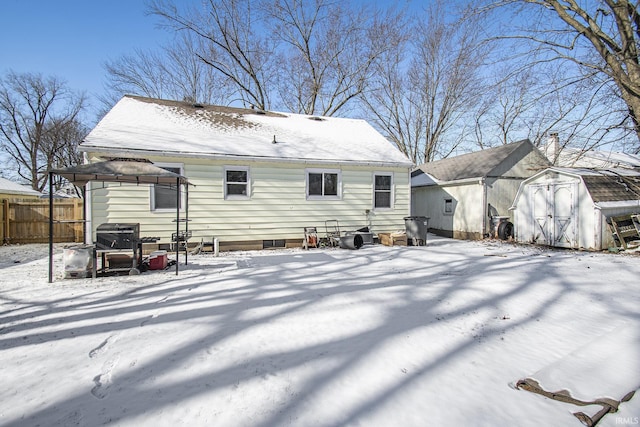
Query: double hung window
[164, 196]
[237, 183]
[382, 191]
[323, 184]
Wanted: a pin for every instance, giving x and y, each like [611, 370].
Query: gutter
[228, 157]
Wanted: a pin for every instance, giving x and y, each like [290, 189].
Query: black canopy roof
[120, 170]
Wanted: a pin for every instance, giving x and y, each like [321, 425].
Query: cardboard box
[393, 239]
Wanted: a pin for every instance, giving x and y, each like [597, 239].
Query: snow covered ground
[381, 336]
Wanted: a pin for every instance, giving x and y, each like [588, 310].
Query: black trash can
[416, 227]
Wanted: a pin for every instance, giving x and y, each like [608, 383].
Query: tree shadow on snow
[339, 314]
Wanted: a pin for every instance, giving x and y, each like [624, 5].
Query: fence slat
[27, 221]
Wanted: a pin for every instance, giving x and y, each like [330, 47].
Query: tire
[505, 230]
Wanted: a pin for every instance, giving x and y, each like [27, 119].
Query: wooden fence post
[78, 236]
[5, 221]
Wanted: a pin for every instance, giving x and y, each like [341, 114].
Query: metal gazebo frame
[130, 171]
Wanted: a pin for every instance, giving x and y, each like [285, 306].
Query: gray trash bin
[416, 227]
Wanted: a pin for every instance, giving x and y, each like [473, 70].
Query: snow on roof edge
[219, 156]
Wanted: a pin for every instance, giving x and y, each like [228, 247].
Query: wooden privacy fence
[27, 221]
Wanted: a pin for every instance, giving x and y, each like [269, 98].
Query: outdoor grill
[117, 236]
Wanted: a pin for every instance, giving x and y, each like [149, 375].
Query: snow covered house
[12, 190]
[468, 196]
[569, 157]
[569, 207]
[259, 177]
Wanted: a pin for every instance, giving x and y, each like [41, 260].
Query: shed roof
[10, 187]
[144, 126]
[609, 185]
[479, 164]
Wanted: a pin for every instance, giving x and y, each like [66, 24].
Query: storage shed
[568, 208]
[463, 196]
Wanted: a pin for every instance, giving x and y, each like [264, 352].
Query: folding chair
[333, 232]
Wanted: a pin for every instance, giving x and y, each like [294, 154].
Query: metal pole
[177, 223]
[50, 227]
[186, 224]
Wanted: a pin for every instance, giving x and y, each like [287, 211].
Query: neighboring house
[569, 157]
[259, 177]
[11, 190]
[569, 207]
[464, 195]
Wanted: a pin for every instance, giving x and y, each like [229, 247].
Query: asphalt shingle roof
[472, 165]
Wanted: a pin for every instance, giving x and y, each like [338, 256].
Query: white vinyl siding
[277, 209]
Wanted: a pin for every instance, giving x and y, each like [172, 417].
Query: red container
[158, 260]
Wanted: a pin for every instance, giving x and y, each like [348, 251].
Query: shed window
[236, 183]
[382, 191]
[323, 184]
[164, 196]
[448, 206]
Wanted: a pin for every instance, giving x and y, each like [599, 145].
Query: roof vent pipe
[274, 140]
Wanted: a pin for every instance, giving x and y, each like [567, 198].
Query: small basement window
[271, 244]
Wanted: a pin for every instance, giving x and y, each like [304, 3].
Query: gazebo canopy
[131, 171]
[120, 170]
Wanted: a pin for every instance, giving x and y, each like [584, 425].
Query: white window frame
[228, 196]
[152, 189]
[391, 191]
[338, 172]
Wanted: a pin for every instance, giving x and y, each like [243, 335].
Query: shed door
[554, 214]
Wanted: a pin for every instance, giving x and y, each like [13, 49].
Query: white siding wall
[276, 209]
[466, 203]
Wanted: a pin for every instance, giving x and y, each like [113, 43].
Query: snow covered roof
[564, 156]
[143, 126]
[10, 187]
[597, 159]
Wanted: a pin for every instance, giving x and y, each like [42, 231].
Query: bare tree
[422, 97]
[39, 120]
[237, 45]
[327, 51]
[601, 37]
[173, 72]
